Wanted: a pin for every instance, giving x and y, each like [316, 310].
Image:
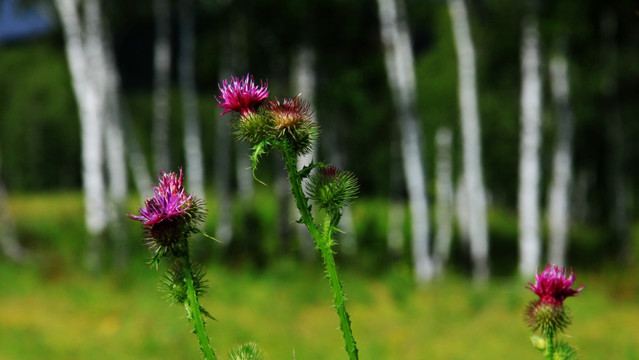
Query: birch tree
[399, 62]
[9, 244]
[445, 198]
[194, 163]
[530, 139]
[161, 84]
[90, 105]
[558, 197]
[471, 144]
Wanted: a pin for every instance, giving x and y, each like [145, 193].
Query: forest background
[41, 144]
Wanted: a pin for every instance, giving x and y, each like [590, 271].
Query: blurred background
[489, 138]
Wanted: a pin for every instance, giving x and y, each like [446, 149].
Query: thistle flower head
[170, 214]
[241, 95]
[553, 286]
[292, 120]
[332, 188]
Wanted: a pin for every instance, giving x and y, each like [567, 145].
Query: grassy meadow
[52, 309]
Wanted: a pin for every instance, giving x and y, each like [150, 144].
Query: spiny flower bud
[292, 121]
[170, 215]
[538, 342]
[248, 351]
[553, 286]
[241, 95]
[254, 127]
[331, 188]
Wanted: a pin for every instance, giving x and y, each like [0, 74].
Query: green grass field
[49, 309]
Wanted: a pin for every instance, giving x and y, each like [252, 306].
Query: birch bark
[90, 105]
[529, 168]
[194, 163]
[558, 206]
[161, 84]
[401, 76]
[471, 144]
[445, 198]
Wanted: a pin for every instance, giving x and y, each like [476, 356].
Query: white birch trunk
[445, 198]
[161, 84]
[90, 106]
[529, 168]
[303, 82]
[619, 197]
[558, 205]
[471, 144]
[401, 75]
[194, 162]
[9, 244]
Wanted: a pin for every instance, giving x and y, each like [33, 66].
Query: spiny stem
[324, 245]
[336, 286]
[193, 309]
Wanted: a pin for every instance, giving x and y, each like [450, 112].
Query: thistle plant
[285, 126]
[169, 219]
[547, 316]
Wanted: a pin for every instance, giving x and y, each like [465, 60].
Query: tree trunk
[445, 198]
[618, 188]
[303, 82]
[401, 75]
[161, 84]
[529, 168]
[471, 144]
[90, 104]
[9, 244]
[194, 162]
[558, 205]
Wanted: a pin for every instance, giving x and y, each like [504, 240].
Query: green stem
[550, 349]
[338, 294]
[193, 309]
[324, 244]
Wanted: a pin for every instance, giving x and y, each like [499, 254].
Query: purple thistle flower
[170, 214]
[241, 95]
[553, 285]
[169, 201]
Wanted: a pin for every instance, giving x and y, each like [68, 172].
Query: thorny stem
[193, 310]
[550, 350]
[324, 244]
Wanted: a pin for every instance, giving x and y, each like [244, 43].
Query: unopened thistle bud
[170, 215]
[548, 313]
[254, 127]
[292, 121]
[248, 351]
[331, 188]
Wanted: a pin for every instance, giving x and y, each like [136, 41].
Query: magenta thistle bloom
[170, 213]
[553, 285]
[548, 313]
[241, 95]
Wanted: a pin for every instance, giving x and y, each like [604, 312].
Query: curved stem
[324, 244]
[193, 310]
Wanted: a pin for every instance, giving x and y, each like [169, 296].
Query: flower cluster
[272, 122]
[553, 286]
[170, 215]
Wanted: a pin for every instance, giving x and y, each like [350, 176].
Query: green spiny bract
[564, 351]
[248, 351]
[254, 127]
[174, 286]
[332, 189]
[548, 318]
